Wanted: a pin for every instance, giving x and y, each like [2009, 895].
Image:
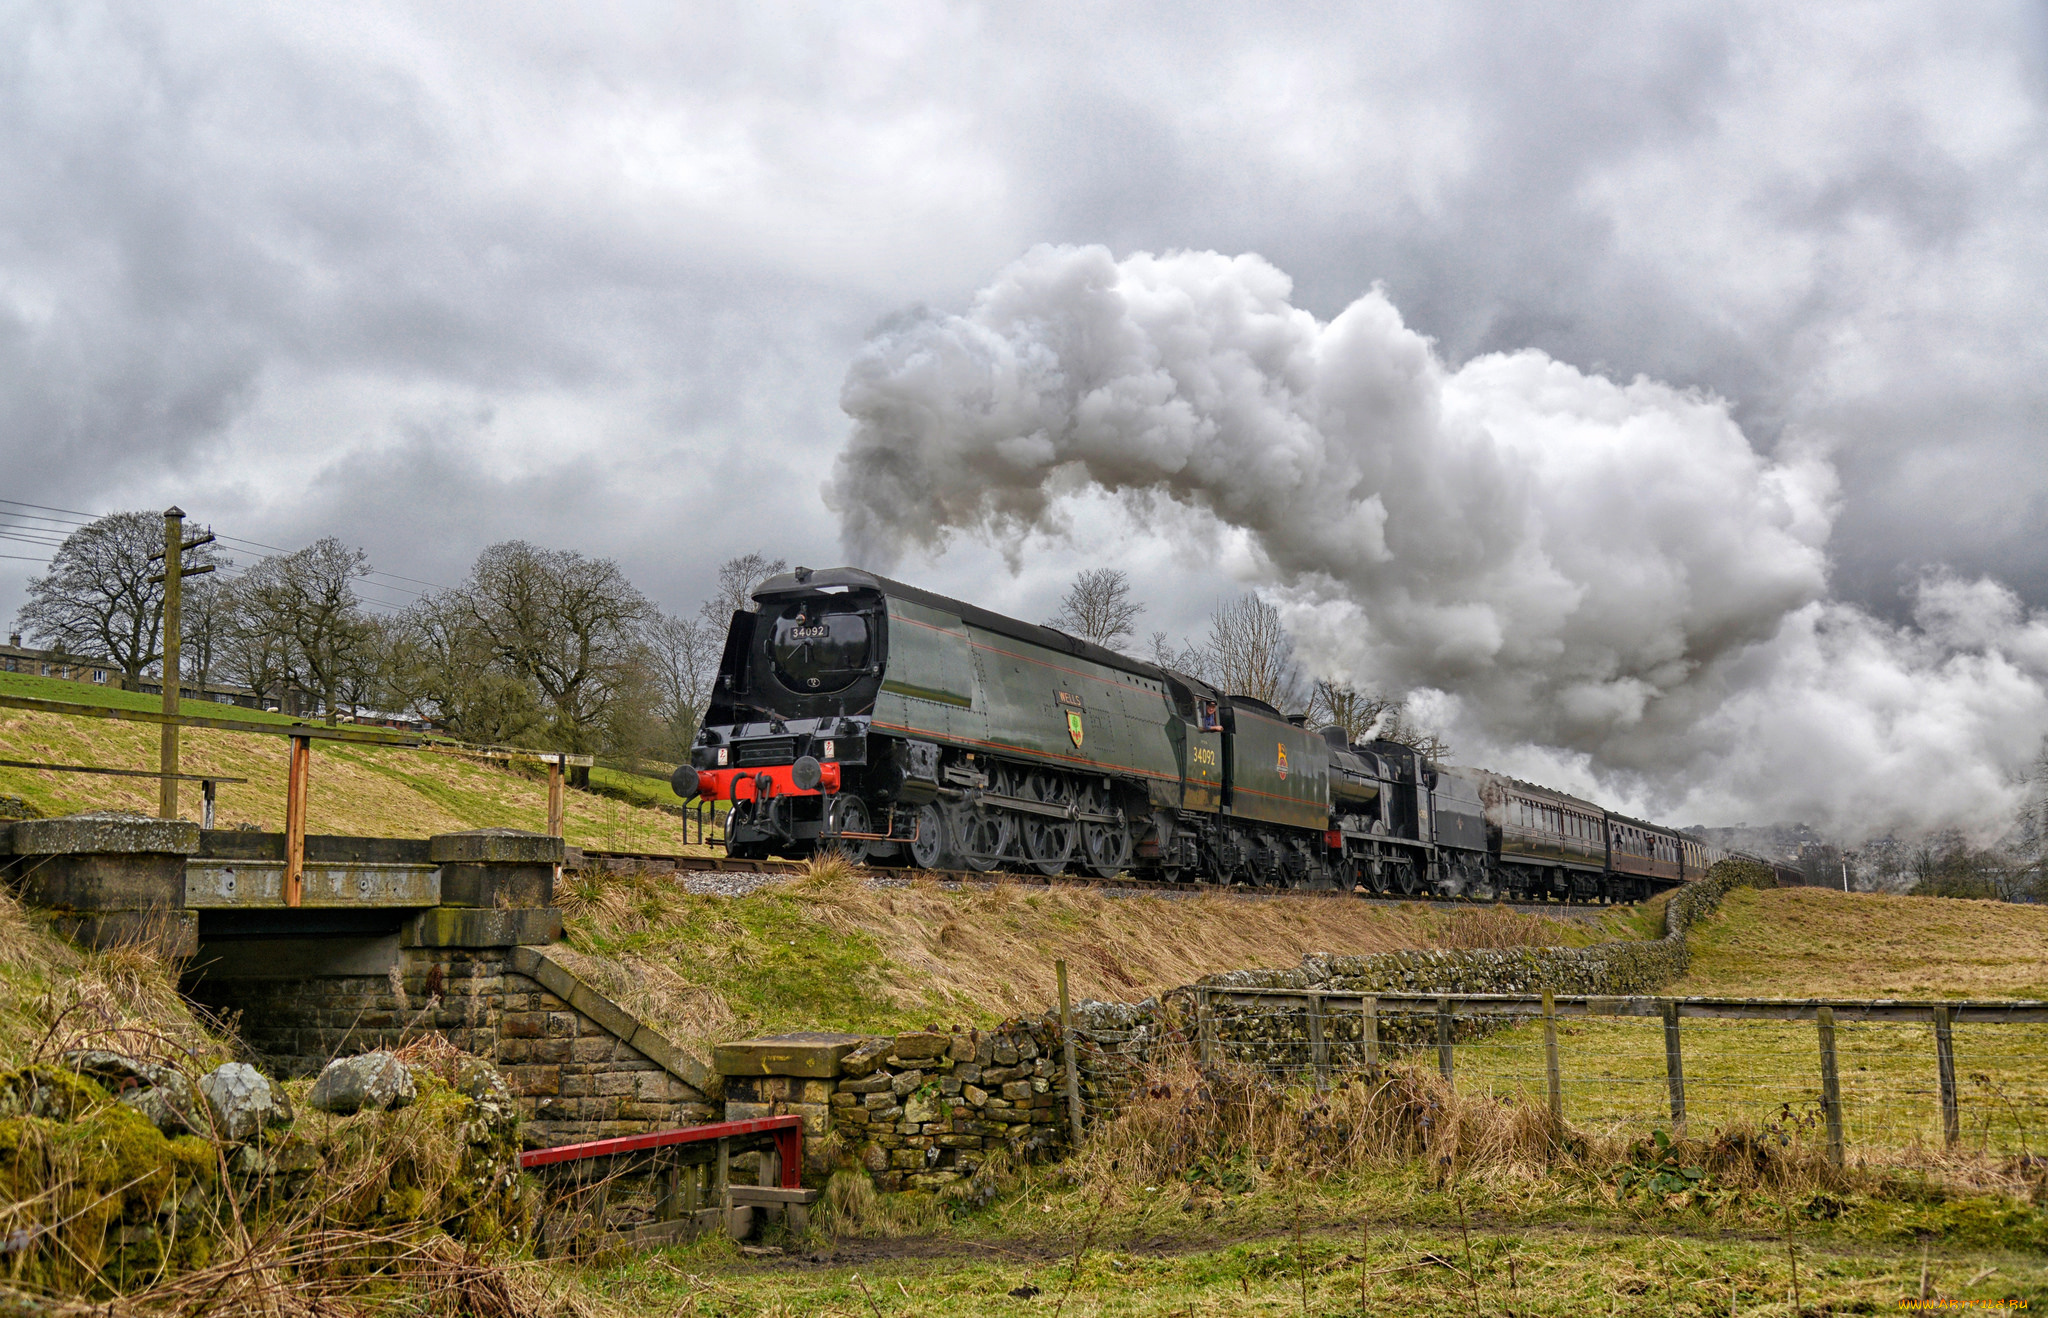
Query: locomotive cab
[787, 726]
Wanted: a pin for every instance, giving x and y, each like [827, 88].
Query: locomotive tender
[856, 713]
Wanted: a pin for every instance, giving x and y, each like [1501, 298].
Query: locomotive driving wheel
[932, 848]
[1105, 847]
[982, 834]
[1048, 840]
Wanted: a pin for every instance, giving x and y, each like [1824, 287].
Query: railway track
[584, 860]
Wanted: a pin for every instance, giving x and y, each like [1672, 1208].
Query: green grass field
[378, 791]
[1768, 1072]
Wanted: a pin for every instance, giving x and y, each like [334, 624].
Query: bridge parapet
[390, 939]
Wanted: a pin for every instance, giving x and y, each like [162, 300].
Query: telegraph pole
[167, 760]
[173, 555]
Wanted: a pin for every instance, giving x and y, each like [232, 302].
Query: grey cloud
[270, 257]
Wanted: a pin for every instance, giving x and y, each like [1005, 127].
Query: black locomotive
[901, 727]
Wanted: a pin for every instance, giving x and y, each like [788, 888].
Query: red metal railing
[788, 1133]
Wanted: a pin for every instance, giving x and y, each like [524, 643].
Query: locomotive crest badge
[1074, 726]
[1280, 767]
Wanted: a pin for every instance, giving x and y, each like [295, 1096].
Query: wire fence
[1865, 1077]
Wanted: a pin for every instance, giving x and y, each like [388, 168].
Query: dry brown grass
[54, 997]
[1185, 1133]
[1816, 942]
[997, 944]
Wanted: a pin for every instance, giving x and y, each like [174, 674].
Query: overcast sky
[427, 277]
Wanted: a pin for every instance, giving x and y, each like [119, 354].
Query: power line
[229, 539]
[73, 512]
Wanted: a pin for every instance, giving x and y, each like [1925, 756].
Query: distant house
[18, 658]
[293, 701]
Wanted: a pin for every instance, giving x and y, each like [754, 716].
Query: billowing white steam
[1600, 583]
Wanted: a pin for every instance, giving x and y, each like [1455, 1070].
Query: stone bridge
[388, 939]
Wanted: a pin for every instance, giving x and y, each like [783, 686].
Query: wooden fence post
[1552, 1082]
[1205, 1029]
[1443, 1037]
[1318, 1050]
[1945, 1066]
[1067, 1056]
[295, 821]
[1369, 1031]
[1674, 1065]
[1830, 1083]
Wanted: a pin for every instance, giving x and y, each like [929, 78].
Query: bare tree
[98, 599]
[1362, 714]
[737, 578]
[1251, 654]
[683, 656]
[255, 656]
[207, 614]
[439, 666]
[1368, 715]
[301, 609]
[568, 624]
[1098, 607]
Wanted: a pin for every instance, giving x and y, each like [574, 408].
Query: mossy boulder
[100, 1194]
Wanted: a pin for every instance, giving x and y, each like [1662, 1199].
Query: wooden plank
[79, 709]
[118, 773]
[2016, 1012]
[772, 1194]
[1369, 1030]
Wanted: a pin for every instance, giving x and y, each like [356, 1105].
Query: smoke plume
[1601, 584]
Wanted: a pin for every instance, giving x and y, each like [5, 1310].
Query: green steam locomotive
[855, 713]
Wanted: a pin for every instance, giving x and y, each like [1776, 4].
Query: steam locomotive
[856, 713]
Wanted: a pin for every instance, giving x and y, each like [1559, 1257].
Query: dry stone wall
[922, 1110]
[1279, 1036]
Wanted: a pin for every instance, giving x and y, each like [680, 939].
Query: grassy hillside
[1814, 942]
[369, 790]
[829, 952]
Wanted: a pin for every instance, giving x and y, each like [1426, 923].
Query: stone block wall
[922, 1110]
[581, 1067]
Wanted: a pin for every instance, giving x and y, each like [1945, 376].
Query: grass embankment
[1818, 943]
[832, 953]
[371, 791]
